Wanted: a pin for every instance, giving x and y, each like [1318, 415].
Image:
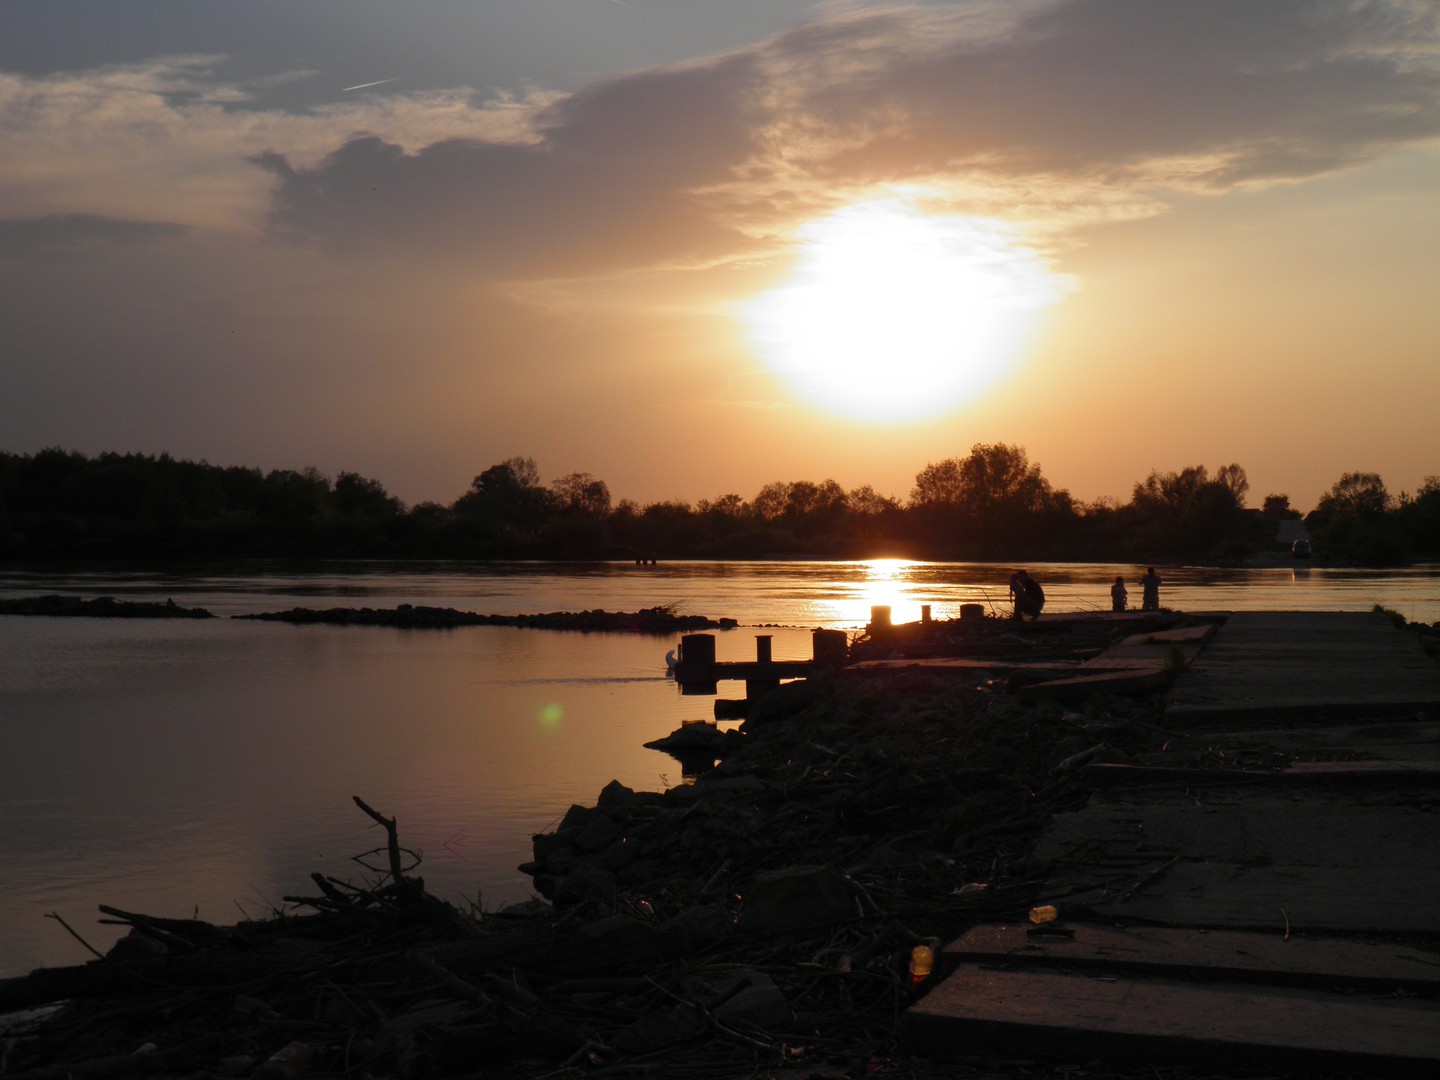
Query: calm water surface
[184, 767]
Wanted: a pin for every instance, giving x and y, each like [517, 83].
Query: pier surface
[1258, 891]
[1305, 664]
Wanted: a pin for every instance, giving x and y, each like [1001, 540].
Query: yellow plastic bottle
[1043, 914]
[922, 961]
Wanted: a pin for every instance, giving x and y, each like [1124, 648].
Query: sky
[692, 248]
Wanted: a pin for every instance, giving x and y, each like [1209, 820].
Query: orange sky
[1125, 236]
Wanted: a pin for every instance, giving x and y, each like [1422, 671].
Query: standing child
[1118, 594]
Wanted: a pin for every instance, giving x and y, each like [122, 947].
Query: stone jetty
[1256, 890]
[978, 849]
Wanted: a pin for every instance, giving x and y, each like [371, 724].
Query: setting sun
[892, 313]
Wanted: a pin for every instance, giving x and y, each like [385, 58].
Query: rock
[587, 882]
[615, 794]
[599, 834]
[619, 855]
[745, 994]
[797, 898]
[136, 946]
[577, 817]
[783, 702]
[702, 925]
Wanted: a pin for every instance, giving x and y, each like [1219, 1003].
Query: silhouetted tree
[993, 501]
[1353, 524]
[580, 494]
[1419, 517]
[1233, 478]
[1188, 514]
[1278, 508]
[1357, 494]
[357, 496]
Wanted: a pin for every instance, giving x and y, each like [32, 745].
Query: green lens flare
[550, 714]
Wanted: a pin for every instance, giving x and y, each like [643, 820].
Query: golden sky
[693, 251]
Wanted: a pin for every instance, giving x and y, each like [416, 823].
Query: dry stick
[335, 895]
[76, 936]
[391, 835]
[466, 991]
[1147, 879]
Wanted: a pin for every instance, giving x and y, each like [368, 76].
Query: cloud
[613, 175]
[173, 139]
[1068, 111]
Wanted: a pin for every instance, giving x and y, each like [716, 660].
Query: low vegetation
[994, 503]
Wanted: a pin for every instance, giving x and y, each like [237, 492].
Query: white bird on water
[670, 662]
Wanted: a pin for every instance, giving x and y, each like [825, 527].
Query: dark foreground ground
[758, 922]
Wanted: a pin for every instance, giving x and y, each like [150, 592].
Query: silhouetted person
[1150, 598]
[1028, 596]
[1119, 595]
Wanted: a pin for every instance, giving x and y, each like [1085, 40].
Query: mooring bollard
[828, 647]
[696, 658]
[880, 619]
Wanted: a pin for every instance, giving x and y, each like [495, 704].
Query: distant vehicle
[1300, 549]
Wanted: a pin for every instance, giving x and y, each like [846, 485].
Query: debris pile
[760, 920]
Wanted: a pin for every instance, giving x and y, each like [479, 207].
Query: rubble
[758, 921]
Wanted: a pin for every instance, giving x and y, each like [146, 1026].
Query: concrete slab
[1151, 1021]
[1303, 666]
[1379, 740]
[1249, 873]
[1249, 858]
[1233, 956]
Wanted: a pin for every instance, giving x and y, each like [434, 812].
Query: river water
[206, 768]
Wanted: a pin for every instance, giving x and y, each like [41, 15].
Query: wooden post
[925, 613]
[695, 665]
[828, 647]
[697, 649]
[763, 644]
[971, 613]
[880, 619]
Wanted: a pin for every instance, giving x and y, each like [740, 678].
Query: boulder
[798, 898]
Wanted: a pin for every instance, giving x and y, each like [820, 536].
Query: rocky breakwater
[99, 607]
[655, 620]
[759, 921]
[849, 821]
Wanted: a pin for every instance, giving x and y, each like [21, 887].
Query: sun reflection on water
[882, 583]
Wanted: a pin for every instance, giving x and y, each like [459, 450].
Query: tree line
[992, 504]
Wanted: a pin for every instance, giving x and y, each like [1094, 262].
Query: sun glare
[896, 314]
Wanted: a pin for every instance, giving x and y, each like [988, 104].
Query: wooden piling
[697, 651]
[829, 647]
